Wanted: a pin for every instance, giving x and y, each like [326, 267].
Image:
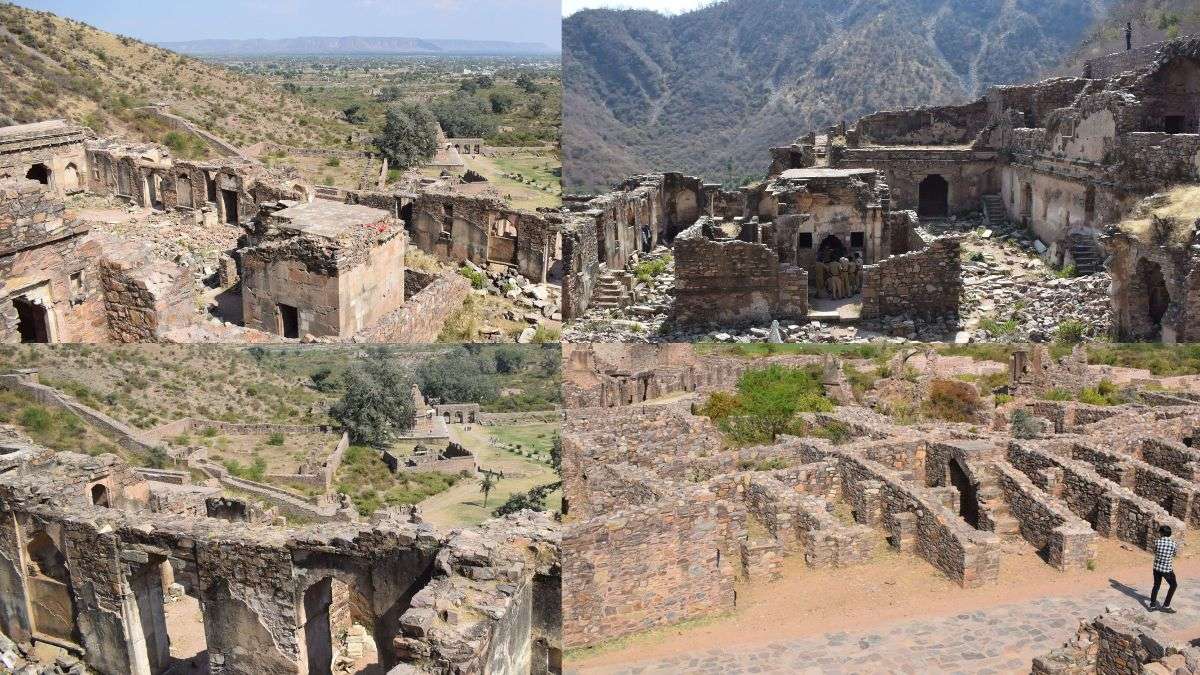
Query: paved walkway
[998, 639]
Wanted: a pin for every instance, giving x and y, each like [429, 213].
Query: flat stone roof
[324, 218]
[35, 127]
[824, 172]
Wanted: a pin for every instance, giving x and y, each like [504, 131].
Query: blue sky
[175, 20]
[569, 7]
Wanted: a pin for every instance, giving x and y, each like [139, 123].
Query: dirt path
[896, 614]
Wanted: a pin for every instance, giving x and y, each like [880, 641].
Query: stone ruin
[1119, 642]
[1066, 159]
[663, 515]
[94, 553]
[257, 254]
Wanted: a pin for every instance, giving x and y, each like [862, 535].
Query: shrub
[477, 279]
[648, 269]
[276, 438]
[1057, 395]
[952, 401]
[333, 161]
[378, 403]
[1070, 332]
[36, 418]
[774, 395]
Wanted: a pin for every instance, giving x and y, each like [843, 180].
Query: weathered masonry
[322, 269]
[91, 549]
[51, 153]
[664, 516]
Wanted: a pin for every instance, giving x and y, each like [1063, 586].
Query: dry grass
[1179, 206]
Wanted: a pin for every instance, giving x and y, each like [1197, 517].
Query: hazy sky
[176, 20]
[569, 7]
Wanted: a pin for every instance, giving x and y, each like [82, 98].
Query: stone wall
[681, 571]
[926, 283]
[144, 296]
[422, 317]
[119, 432]
[733, 282]
[1063, 539]
[945, 125]
[1119, 642]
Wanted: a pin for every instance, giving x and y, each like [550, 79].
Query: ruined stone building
[92, 550]
[1070, 158]
[663, 515]
[292, 261]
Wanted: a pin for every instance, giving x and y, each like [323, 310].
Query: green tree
[526, 82]
[533, 500]
[509, 359]
[377, 404]
[773, 396]
[487, 483]
[355, 114]
[409, 135]
[463, 116]
[455, 378]
[501, 102]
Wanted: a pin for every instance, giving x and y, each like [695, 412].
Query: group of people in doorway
[839, 277]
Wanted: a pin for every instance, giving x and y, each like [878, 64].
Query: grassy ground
[371, 485]
[463, 504]
[504, 173]
[55, 429]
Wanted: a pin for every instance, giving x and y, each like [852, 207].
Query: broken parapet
[493, 604]
[144, 296]
[1120, 642]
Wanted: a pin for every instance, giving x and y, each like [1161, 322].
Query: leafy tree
[537, 106]
[323, 380]
[485, 82]
[501, 102]
[527, 83]
[355, 114]
[533, 500]
[463, 116]
[509, 359]
[556, 453]
[409, 135]
[377, 404]
[455, 378]
[487, 483]
[773, 396]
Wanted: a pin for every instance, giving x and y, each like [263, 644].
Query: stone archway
[40, 173]
[70, 178]
[832, 248]
[933, 200]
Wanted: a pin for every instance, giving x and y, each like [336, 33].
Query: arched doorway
[49, 584]
[1154, 286]
[100, 495]
[968, 500]
[832, 248]
[933, 197]
[1089, 206]
[40, 173]
[70, 178]
[318, 634]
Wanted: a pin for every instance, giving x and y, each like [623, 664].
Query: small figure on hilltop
[1129, 36]
[1164, 568]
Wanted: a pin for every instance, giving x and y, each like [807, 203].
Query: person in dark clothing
[1164, 568]
[1129, 36]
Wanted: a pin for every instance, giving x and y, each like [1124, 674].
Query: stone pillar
[867, 502]
[902, 529]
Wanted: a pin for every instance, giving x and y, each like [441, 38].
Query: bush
[1057, 395]
[648, 269]
[1070, 332]
[773, 396]
[276, 438]
[36, 418]
[952, 401]
[377, 404]
[477, 279]
[409, 136]
[333, 161]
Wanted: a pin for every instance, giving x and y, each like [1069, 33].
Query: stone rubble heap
[21, 660]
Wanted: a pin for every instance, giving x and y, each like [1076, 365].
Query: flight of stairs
[991, 498]
[1088, 257]
[611, 291]
[994, 213]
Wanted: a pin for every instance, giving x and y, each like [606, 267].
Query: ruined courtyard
[174, 536]
[108, 240]
[1062, 209]
[925, 496]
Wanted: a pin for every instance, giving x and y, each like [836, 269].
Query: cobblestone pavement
[998, 639]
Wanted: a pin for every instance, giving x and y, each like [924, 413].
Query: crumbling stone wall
[1062, 538]
[681, 572]
[924, 283]
[732, 282]
[56, 145]
[1119, 642]
[144, 296]
[423, 316]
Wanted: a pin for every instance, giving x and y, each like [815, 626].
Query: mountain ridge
[708, 91]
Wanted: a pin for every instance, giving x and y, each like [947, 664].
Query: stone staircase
[994, 213]
[1088, 256]
[992, 500]
[611, 291]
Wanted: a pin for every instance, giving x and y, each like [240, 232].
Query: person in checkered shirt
[1164, 568]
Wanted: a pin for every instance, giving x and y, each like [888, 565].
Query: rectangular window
[1173, 124]
[806, 240]
[857, 240]
[77, 288]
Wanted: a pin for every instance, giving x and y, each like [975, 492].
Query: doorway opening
[40, 173]
[832, 248]
[1027, 204]
[50, 597]
[33, 321]
[968, 502]
[100, 495]
[934, 197]
[229, 202]
[289, 321]
[1156, 294]
[1174, 124]
[318, 636]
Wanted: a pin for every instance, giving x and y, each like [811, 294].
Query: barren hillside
[51, 66]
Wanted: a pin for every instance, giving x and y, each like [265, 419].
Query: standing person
[1164, 568]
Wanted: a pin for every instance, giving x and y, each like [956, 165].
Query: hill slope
[708, 91]
[51, 66]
